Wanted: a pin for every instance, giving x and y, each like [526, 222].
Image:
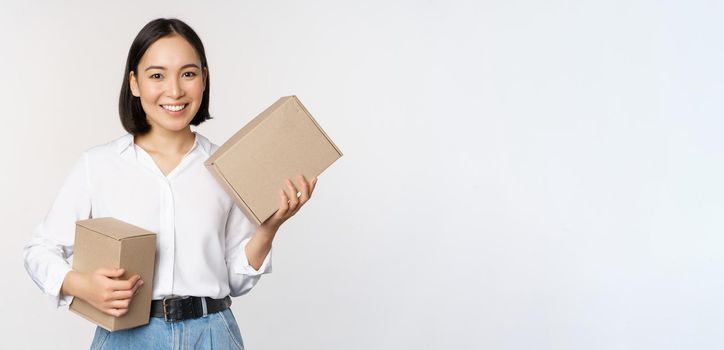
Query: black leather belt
[177, 308]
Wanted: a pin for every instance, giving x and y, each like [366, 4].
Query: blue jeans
[213, 331]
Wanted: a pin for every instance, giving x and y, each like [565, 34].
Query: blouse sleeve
[46, 254]
[242, 276]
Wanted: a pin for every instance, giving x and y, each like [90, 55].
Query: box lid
[113, 228]
[229, 144]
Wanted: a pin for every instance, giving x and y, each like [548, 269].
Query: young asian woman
[154, 177]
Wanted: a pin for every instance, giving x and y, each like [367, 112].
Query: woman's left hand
[291, 200]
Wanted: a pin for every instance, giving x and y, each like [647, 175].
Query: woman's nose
[174, 89]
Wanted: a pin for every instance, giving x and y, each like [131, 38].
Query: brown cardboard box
[111, 243]
[281, 142]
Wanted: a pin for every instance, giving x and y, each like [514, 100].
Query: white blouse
[201, 233]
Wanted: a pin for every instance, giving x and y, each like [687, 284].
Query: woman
[154, 177]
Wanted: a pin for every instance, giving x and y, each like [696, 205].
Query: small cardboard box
[280, 143]
[111, 243]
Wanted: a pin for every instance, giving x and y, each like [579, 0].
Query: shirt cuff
[247, 269]
[56, 298]
[64, 301]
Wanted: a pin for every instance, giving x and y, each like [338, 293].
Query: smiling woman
[170, 84]
[154, 177]
[170, 91]
[166, 65]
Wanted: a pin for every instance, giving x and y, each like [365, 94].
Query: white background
[516, 174]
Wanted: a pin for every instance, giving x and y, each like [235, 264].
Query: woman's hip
[218, 330]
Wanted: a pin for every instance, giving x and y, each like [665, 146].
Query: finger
[110, 273]
[293, 199]
[305, 190]
[313, 184]
[124, 284]
[116, 312]
[125, 294]
[283, 204]
[120, 304]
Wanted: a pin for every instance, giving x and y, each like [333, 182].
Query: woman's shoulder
[114, 146]
[208, 146]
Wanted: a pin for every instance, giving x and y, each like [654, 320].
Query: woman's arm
[46, 254]
[289, 204]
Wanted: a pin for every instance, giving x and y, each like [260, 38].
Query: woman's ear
[133, 84]
[206, 74]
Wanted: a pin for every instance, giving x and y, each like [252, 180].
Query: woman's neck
[166, 142]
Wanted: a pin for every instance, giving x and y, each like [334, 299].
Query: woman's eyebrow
[182, 67]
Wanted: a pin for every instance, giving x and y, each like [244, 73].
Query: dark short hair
[131, 112]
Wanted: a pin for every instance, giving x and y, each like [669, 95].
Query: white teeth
[173, 108]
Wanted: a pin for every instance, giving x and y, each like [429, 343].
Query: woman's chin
[174, 126]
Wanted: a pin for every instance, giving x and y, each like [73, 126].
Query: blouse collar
[125, 141]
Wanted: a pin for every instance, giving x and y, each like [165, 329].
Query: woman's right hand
[102, 289]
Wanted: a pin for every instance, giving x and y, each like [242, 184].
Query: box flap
[309, 115]
[113, 228]
[247, 129]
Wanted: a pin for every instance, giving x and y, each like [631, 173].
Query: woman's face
[170, 83]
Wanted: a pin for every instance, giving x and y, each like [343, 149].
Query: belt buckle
[165, 305]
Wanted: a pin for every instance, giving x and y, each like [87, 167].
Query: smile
[174, 108]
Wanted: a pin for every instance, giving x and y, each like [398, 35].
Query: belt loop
[203, 306]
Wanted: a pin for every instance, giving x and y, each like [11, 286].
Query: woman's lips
[174, 109]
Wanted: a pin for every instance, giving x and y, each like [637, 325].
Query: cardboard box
[111, 243]
[280, 143]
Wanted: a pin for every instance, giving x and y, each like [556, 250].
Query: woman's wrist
[267, 230]
[69, 283]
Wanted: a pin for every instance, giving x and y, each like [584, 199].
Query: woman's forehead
[170, 52]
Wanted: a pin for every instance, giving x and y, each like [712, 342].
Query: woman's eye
[156, 76]
[189, 74]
